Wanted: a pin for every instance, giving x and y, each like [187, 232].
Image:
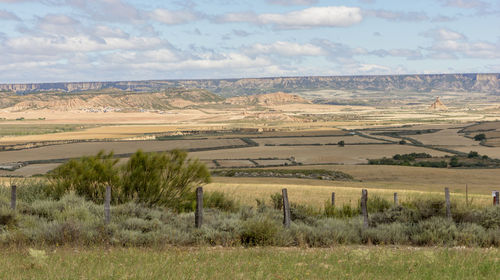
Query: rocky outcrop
[438, 105]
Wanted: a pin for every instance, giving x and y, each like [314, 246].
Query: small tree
[165, 179]
[87, 177]
[480, 137]
[473, 154]
[341, 143]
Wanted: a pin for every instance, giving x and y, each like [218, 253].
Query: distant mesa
[438, 105]
[473, 82]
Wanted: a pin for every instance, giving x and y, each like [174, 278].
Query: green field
[364, 262]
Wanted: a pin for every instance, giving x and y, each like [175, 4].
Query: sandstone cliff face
[487, 83]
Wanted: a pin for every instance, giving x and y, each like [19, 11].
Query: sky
[116, 40]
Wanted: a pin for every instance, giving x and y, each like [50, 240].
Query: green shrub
[164, 179]
[376, 203]
[472, 235]
[427, 208]
[7, 217]
[219, 200]
[480, 137]
[488, 217]
[87, 177]
[304, 213]
[473, 154]
[435, 231]
[277, 201]
[259, 231]
[397, 214]
[393, 233]
[346, 211]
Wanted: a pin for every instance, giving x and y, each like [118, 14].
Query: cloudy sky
[104, 40]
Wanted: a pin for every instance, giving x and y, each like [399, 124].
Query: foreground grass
[357, 262]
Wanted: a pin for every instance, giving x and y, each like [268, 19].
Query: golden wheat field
[312, 193]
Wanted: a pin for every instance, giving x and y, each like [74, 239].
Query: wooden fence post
[333, 199]
[497, 195]
[107, 207]
[396, 201]
[448, 203]
[364, 207]
[286, 209]
[466, 195]
[13, 197]
[198, 214]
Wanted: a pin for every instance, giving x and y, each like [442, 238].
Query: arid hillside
[121, 101]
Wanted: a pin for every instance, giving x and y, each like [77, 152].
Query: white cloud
[58, 24]
[443, 34]
[52, 45]
[172, 17]
[449, 44]
[335, 16]
[397, 15]
[286, 49]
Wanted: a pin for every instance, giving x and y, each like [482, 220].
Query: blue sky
[105, 40]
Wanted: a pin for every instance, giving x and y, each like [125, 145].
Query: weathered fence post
[107, 207]
[497, 195]
[198, 214]
[466, 195]
[333, 198]
[13, 197]
[286, 209]
[364, 207]
[396, 201]
[448, 203]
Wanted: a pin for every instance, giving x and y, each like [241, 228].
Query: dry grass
[315, 193]
[480, 181]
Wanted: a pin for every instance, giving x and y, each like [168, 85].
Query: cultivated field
[118, 147]
[349, 154]
[351, 139]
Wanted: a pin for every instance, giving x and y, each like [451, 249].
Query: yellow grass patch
[247, 190]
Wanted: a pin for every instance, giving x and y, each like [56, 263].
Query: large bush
[164, 179]
[87, 177]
